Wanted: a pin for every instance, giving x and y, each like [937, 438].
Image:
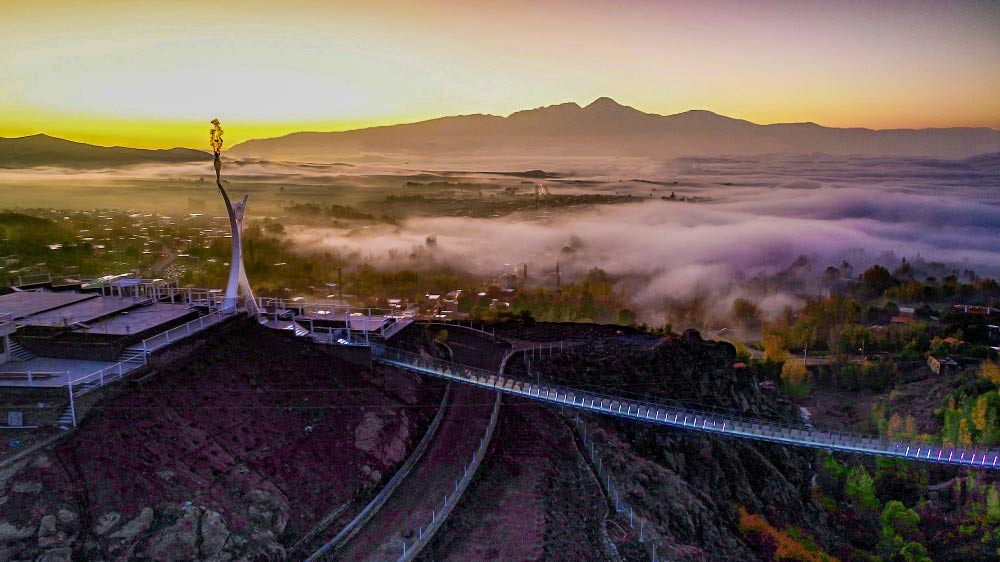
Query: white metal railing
[336, 336]
[468, 325]
[81, 385]
[167, 337]
[462, 481]
[139, 357]
[694, 420]
[33, 279]
[32, 377]
[330, 309]
[306, 313]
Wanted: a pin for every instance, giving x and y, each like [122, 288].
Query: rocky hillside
[231, 451]
[689, 487]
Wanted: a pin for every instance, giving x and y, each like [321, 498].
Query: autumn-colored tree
[794, 371]
[774, 348]
[902, 428]
[964, 435]
[979, 412]
[990, 371]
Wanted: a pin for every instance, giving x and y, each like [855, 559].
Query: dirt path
[533, 498]
[434, 475]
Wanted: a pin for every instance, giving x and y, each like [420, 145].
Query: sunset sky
[154, 74]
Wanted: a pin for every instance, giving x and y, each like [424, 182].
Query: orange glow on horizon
[143, 75]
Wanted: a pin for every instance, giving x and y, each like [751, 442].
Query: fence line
[424, 535]
[608, 483]
[458, 323]
[693, 420]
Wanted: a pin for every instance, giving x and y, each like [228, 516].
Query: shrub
[790, 544]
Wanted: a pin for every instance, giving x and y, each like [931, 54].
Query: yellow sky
[154, 75]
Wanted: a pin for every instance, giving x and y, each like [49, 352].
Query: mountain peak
[605, 103]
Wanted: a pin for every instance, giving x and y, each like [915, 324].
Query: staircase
[299, 330]
[19, 353]
[66, 419]
[132, 355]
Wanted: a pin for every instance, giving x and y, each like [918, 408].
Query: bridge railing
[693, 420]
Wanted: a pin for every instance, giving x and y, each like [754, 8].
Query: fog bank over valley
[744, 218]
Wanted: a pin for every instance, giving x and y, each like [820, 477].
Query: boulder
[214, 534]
[178, 542]
[133, 528]
[49, 533]
[268, 511]
[384, 436]
[106, 522]
[10, 533]
[64, 554]
[27, 487]
[368, 434]
[66, 517]
[263, 547]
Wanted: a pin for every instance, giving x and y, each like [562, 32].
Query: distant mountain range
[43, 150]
[607, 128]
[604, 128]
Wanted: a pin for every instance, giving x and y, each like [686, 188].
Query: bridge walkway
[693, 420]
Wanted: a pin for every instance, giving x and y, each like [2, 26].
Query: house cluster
[108, 233]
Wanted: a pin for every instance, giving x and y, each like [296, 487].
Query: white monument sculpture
[238, 282]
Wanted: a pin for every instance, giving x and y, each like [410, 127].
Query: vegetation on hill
[43, 150]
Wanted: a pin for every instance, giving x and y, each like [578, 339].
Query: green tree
[861, 489]
[877, 279]
[899, 533]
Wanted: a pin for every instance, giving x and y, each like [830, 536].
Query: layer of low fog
[759, 218]
[753, 219]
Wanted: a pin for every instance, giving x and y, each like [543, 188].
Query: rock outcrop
[219, 453]
[689, 484]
